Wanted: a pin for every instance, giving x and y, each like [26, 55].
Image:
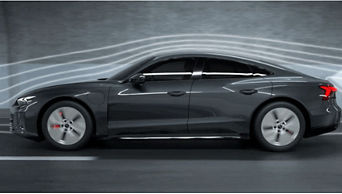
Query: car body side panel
[149, 109]
[217, 105]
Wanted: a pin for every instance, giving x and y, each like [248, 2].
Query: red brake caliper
[289, 131]
[55, 126]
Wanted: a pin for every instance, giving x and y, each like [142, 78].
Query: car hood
[78, 85]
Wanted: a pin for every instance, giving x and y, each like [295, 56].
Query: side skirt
[184, 137]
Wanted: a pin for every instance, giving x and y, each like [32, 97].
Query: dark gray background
[35, 29]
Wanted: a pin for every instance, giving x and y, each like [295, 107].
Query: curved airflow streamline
[302, 56]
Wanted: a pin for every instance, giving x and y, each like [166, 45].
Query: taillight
[328, 91]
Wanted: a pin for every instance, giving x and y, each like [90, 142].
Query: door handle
[176, 93]
[248, 91]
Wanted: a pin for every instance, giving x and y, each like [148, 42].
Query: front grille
[14, 119]
[14, 122]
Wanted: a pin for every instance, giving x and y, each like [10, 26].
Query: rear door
[224, 97]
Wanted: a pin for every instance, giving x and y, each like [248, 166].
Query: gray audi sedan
[183, 96]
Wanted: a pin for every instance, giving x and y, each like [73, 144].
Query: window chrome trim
[230, 73]
[199, 73]
[259, 74]
[222, 73]
[168, 73]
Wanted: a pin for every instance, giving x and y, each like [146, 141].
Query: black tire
[88, 121]
[257, 128]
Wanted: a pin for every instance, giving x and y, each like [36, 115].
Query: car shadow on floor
[195, 149]
[225, 149]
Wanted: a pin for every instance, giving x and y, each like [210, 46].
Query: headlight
[25, 100]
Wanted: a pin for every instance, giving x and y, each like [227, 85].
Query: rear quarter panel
[306, 92]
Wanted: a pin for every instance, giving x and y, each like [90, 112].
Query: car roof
[215, 55]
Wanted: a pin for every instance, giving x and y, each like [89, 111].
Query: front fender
[93, 99]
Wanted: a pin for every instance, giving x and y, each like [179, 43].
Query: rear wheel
[67, 125]
[279, 126]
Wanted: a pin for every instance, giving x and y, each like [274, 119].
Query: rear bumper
[327, 121]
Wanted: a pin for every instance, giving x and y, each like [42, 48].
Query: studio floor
[170, 166]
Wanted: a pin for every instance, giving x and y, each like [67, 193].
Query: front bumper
[19, 124]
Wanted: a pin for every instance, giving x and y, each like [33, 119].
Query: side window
[259, 71]
[218, 68]
[173, 69]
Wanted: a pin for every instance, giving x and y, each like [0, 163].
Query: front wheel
[279, 126]
[67, 125]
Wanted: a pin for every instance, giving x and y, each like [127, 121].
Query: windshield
[128, 69]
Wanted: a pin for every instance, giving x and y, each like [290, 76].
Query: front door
[159, 106]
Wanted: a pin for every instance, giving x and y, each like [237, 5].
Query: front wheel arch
[59, 99]
[299, 105]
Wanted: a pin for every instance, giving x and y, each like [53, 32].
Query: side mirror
[137, 79]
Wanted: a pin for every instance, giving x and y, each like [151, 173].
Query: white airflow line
[172, 42]
[335, 77]
[176, 36]
[183, 47]
[4, 124]
[166, 49]
[150, 50]
[315, 67]
[48, 158]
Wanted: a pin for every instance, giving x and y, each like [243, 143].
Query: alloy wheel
[280, 126]
[66, 125]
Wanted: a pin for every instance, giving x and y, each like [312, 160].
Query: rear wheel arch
[296, 103]
[59, 99]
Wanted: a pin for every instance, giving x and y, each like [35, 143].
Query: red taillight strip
[328, 90]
